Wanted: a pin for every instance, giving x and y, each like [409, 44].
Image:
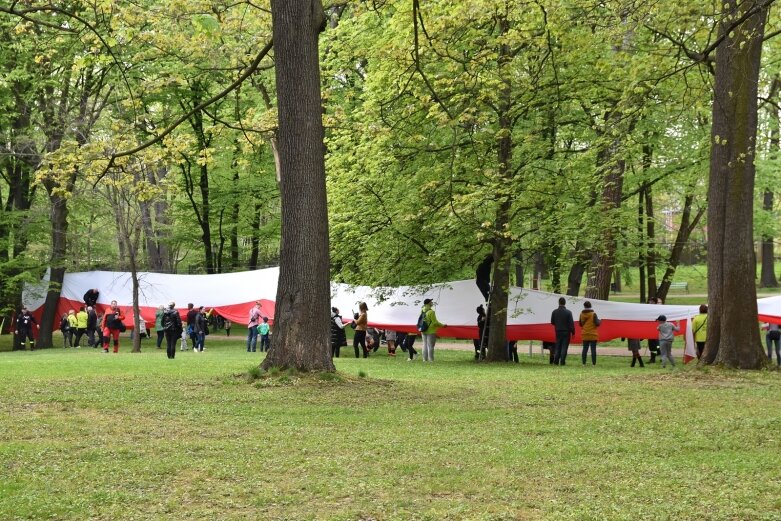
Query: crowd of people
[103, 329]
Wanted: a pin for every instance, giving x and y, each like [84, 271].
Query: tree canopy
[571, 138]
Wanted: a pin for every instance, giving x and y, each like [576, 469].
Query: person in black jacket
[92, 327]
[200, 328]
[482, 337]
[338, 336]
[172, 325]
[564, 325]
[24, 328]
[91, 297]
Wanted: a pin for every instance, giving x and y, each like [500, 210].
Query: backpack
[422, 322]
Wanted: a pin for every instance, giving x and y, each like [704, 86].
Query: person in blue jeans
[252, 327]
[263, 331]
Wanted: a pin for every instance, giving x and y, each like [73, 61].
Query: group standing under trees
[497, 115]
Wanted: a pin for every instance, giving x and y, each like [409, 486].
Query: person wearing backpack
[112, 326]
[428, 328]
[65, 329]
[700, 329]
[171, 323]
[589, 326]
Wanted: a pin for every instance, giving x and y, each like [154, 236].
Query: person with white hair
[171, 323]
[92, 326]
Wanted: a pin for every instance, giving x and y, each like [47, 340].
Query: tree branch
[246, 74]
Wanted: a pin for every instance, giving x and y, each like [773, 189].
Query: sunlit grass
[85, 435]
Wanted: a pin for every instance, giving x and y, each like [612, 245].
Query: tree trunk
[733, 336]
[254, 255]
[500, 278]
[603, 261]
[681, 239]
[301, 327]
[59, 226]
[650, 235]
[519, 269]
[576, 271]
[767, 277]
[641, 254]
[234, 217]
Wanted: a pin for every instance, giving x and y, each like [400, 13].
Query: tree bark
[733, 336]
[641, 253]
[767, 277]
[500, 276]
[688, 224]
[650, 235]
[603, 261]
[59, 226]
[301, 327]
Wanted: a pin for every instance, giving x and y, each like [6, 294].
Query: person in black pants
[512, 351]
[564, 325]
[481, 336]
[408, 345]
[172, 325]
[338, 337]
[361, 320]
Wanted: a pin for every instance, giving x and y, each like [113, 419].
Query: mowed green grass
[85, 435]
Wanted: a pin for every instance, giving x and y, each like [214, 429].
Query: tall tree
[301, 330]
[733, 337]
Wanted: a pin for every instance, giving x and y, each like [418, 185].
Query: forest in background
[566, 137]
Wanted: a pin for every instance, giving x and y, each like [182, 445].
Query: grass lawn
[85, 435]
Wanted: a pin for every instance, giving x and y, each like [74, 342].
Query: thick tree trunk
[301, 328]
[603, 261]
[500, 278]
[733, 336]
[59, 226]
[500, 283]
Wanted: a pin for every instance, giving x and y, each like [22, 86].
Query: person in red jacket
[111, 326]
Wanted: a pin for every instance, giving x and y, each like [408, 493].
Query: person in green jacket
[700, 329]
[159, 325]
[430, 332]
[81, 325]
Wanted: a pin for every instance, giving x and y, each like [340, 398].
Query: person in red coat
[112, 326]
